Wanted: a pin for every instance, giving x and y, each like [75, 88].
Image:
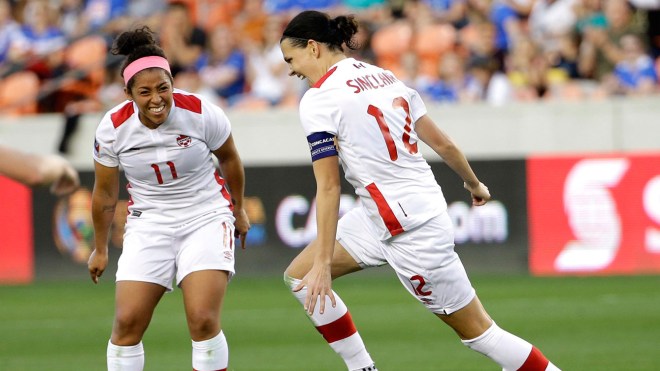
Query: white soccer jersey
[170, 171]
[372, 115]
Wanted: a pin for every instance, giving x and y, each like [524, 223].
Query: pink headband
[144, 63]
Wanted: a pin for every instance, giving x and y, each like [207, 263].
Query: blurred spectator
[292, 6]
[11, 55]
[550, 22]
[361, 5]
[376, 12]
[509, 25]
[43, 44]
[488, 82]
[478, 40]
[522, 7]
[599, 49]
[72, 19]
[191, 81]
[452, 82]
[635, 74]
[652, 10]
[107, 16]
[589, 13]
[210, 13]
[527, 70]
[147, 12]
[182, 41]
[267, 73]
[565, 59]
[223, 66]
[409, 72]
[250, 23]
[448, 11]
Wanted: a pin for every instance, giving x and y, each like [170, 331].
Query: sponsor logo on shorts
[136, 213]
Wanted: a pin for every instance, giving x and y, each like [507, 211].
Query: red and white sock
[125, 358]
[211, 354]
[338, 329]
[509, 351]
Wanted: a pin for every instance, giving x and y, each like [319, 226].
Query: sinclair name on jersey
[371, 81]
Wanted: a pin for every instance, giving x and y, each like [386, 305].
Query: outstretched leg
[335, 324]
[478, 332]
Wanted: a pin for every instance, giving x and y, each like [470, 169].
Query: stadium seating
[18, 93]
[430, 43]
[389, 43]
[85, 59]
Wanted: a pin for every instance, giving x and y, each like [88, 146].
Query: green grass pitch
[581, 323]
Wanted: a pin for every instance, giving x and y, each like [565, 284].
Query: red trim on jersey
[535, 361]
[339, 329]
[223, 190]
[188, 102]
[120, 116]
[130, 201]
[325, 77]
[384, 210]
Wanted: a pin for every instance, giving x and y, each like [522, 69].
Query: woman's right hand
[96, 264]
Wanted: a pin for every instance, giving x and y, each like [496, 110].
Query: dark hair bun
[347, 27]
[130, 41]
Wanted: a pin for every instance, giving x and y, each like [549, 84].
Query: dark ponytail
[318, 26]
[136, 44]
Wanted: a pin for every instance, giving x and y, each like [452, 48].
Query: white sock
[509, 351]
[338, 329]
[211, 354]
[125, 358]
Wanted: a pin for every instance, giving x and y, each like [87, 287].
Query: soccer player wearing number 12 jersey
[363, 117]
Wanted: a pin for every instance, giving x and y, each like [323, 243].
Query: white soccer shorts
[423, 258]
[159, 253]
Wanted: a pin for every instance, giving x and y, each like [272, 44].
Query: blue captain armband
[322, 145]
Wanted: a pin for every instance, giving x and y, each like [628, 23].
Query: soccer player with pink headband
[183, 215]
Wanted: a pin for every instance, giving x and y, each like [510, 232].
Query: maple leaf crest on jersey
[183, 140]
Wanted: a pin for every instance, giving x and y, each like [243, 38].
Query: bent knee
[203, 324]
[290, 281]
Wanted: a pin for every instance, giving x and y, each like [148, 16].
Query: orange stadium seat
[88, 56]
[18, 93]
[389, 43]
[430, 43]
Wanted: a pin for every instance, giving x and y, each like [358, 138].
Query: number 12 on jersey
[377, 113]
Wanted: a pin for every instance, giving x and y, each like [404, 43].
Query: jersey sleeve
[216, 125]
[417, 106]
[319, 113]
[104, 144]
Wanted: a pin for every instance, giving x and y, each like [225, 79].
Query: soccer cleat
[369, 368]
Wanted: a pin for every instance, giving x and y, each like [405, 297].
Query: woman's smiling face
[152, 92]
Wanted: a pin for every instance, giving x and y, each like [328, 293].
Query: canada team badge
[183, 140]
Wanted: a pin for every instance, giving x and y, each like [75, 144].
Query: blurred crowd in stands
[54, 54]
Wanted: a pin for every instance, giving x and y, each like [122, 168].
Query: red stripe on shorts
[339, 329]
[535, 361]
